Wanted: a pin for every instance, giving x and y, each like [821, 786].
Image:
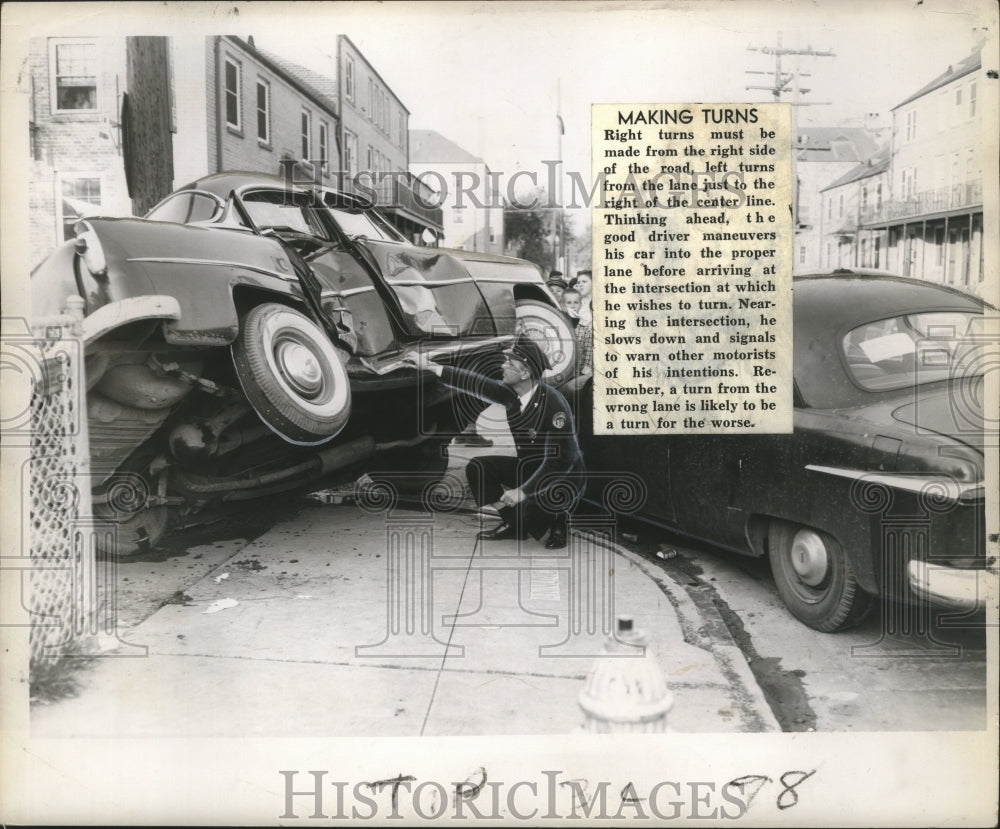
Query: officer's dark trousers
[490, 475]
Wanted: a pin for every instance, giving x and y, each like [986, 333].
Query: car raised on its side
[246, 338]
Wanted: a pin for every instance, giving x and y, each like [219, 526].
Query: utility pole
[784, 81]
[559, 237]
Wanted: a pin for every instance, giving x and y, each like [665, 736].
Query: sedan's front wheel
[814, 579]
[291, 374]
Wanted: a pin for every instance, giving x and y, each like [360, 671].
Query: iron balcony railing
[412, 195]
[956, 197]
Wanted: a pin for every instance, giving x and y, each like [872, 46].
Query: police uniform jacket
[544, 433]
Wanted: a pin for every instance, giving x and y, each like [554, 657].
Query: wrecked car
[246, 338]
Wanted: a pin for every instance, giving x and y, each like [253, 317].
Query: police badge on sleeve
[559, 420]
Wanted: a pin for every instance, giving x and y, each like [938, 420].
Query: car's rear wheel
[814, 578]
[552, 330]
[292, 374]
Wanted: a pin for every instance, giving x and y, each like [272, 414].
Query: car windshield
[912, 349]
[186, 207]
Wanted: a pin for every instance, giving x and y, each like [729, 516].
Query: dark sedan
[880, 489]
[246, 338]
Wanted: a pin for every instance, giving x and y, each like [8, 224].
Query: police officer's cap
[529, 352]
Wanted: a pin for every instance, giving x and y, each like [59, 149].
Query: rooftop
[834, 144]
[878, 163]
[964, 67]
[320, 87]
[427, 146]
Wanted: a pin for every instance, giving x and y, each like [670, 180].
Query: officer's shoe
[556, 539]
[502, 532]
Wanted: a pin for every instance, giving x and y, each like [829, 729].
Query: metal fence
[61, 596]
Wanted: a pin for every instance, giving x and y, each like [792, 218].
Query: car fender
[201, 268]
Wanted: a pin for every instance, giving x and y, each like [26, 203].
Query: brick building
[194, 106]
[472, 208]
[245, 109]
[75, 139]
[375, 140]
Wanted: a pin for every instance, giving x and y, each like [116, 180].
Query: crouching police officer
[538, 489]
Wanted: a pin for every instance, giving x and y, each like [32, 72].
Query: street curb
[704, 627]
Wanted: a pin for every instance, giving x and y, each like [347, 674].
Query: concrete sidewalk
[351, 621]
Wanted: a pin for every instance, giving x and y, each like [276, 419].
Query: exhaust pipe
[329, 460]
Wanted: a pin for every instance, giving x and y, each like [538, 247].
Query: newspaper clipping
[692, 242]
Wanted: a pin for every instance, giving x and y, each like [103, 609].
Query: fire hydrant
[626, 692]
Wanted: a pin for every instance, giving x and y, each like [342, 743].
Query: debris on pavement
[221, 604]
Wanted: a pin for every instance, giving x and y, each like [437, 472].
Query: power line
[783, 80]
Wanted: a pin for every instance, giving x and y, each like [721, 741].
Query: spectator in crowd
[531, 488]
[583, 320]
[585, 285]
[557, 285]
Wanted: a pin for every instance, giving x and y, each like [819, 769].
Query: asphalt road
[897, 671]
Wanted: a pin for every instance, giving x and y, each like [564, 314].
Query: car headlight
[88, 247]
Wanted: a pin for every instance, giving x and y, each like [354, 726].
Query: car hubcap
[300, 368]
[546, 336]
[809, 559]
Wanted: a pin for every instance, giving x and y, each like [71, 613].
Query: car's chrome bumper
[952, 587]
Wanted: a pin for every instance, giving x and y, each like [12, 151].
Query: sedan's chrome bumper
[952, 587]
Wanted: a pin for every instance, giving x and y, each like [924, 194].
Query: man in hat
[537, 489]
[557, 284]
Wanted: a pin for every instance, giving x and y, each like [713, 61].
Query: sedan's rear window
[914, 348]
[185, 207]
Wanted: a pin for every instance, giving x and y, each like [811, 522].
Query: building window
[802, 252]
[911, 125]
[232, 93]
[73, 66]
[402, 131]
[829, 207]
[958, 97]
[263, 111]
[457, 215]
[306, 135]
[909, 182]
[840, 206]
[324, 143]
[972, 100]
[878, 196]
[349, 80]
[81, 196]
[350, 152]
[371, 99]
